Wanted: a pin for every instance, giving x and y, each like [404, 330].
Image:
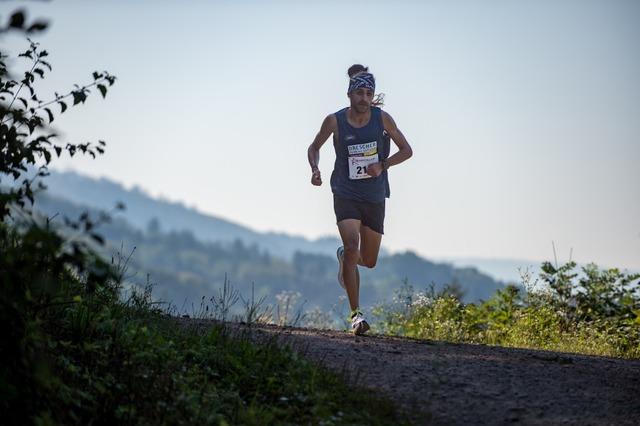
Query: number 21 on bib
[360, 156]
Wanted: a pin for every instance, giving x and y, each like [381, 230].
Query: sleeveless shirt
[356, 148]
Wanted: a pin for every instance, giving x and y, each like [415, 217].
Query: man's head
[362, 87]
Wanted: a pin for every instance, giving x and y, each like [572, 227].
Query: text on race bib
[360, 156]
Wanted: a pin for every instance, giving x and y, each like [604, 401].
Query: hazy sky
[524, 116]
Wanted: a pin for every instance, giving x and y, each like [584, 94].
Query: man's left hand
[374, 169]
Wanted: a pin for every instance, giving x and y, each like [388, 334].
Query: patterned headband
[362, 79]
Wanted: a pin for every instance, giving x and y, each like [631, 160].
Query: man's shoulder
[335, 116]
[385, 115]
[330, 122]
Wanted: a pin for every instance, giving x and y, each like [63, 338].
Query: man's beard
[362, 108]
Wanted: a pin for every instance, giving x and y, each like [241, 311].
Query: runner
[359, 180]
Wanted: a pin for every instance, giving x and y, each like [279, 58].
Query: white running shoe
[340, 256]
[359, 325]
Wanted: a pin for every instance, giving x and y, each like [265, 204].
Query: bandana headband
[362, 80]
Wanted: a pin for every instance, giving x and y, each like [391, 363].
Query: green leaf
[58, 150]
[63, 106]
[50, 114]
[97, 238]
[17, 19]
[78, 96]
[103, 90]
[38, 26]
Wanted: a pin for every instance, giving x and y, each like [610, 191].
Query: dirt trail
[460, 384]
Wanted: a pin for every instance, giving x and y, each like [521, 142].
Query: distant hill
[141, 209]
[185, 269]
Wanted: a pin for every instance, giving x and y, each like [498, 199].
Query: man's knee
[369, 263]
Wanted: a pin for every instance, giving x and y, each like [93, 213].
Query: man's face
[361, 99]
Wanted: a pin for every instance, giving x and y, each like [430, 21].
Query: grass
[145, 368]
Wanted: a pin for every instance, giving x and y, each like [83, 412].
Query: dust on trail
[462, 384]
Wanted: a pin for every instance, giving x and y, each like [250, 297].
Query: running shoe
[340, 256]
[359, 325]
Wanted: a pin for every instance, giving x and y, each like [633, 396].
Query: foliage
[41, 275]
[25, 138]
[594, 311]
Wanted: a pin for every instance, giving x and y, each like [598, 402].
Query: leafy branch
[80, 93]
[17, 152]
[101, 80]
[28, 75]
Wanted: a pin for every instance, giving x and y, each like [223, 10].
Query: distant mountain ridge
[141, 209]
[184, 268]
[189, 252]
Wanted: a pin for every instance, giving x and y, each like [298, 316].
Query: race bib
[360, 156]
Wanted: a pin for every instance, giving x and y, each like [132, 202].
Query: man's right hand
[315, 178]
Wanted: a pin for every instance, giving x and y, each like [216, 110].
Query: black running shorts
[370, 214]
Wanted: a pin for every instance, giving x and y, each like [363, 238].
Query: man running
[359, 180]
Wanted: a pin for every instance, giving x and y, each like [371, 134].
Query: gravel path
[461, 384]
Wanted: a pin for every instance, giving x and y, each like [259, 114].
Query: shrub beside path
[460, 384]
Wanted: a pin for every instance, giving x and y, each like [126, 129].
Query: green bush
[592, 312]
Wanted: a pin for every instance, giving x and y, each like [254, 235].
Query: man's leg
[369, 246]
[350, 233]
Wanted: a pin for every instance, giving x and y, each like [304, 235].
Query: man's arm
[329, 126]
[404, 149]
